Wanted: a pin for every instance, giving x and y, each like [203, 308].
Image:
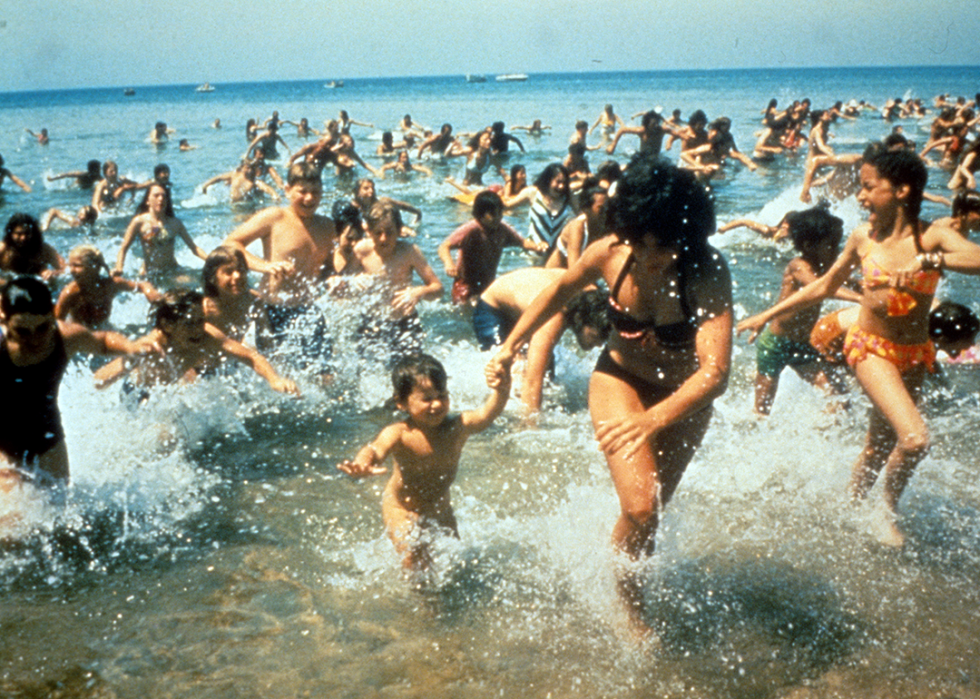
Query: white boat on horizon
[473, 78]
[334, 83]
[511, 77]
[205, 87]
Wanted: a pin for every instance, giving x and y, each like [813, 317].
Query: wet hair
[35, 239]
[589, 309]
[697, 117]
[487, 202]
[346, 215]
[610, 170]
[168, 206]
[497, 127]
[183, 142]
[411, 369]
[516, 169]
[93, 167]
[387, 138]
[895, 140]
[161, 126]
[175, 306]
[816, 115]
[721, 123]
[219, 257]
[1, 160]
[88, 214]
[26, 294]
[446, 128]
[543, 181]
[903, 167]
[105, 166]
[656, 197]
[163, 168]
[953, 322]
[380, 212]
[650, 120]
[303, 173]
[590, 190]
[344, 115]
[966, 201]
[90, 256]
[580, 124]
[810, 227]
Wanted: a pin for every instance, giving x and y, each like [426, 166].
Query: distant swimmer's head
[344, 116]
[656, 199]
[953, 327]
[160, 126]
[698, 119]
[93, 168]
[497, 127]
[966, 205]
[587, 316]
[651, 120]
[88, 214]
[387, 138]
[447, 129]
[721, 124]
[23, 234]
[25, 295]
[518, 174]
[109, 168]
[581, 125]
[224, 269]
[161, 173]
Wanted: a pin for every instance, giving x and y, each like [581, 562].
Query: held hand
[629, 432]
[498, 366]
[754, 323]
[147, 345]
[360, 469]
[498, 374]
[281, 270]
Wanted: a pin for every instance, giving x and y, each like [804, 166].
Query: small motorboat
[206, 87]
[511, 77]
[334, 83]
[471, 78]
[129, 92]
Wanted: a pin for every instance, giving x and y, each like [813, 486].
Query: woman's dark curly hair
[656, 197]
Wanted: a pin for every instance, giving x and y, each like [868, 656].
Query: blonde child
[87, 299]
[426, 449]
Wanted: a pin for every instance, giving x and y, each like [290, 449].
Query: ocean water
[208, 547]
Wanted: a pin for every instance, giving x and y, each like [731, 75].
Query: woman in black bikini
[669, 354]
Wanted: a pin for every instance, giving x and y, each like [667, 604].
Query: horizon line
[124, 86]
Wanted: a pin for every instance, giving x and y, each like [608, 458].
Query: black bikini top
[679, 335]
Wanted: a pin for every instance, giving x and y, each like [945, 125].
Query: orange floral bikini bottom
[859, 344]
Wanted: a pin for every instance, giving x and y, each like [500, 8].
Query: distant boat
[334, 83]
[511, 77]
[206, 87]
[129, 92]
[470, 78]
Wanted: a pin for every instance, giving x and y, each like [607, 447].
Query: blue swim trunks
[490, 325]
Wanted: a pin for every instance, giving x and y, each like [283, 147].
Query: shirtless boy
[426, 448]
[296, 244]
[387, 258]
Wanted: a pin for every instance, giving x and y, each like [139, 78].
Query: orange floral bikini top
[900, 303]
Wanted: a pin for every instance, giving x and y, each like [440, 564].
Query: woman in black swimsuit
[34, 351]
[669, 354]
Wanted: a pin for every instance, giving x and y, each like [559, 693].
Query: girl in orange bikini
[902, 259]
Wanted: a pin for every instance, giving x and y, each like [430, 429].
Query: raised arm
[818, 290]
[480, 419]
[251, 358]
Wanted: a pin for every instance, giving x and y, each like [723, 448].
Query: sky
[63, 44]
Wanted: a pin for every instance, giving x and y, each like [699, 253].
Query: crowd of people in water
[619, 256]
